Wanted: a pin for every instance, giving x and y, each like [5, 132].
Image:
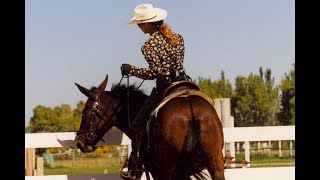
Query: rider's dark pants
[139, 129]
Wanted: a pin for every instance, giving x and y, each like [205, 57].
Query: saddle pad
[182, 93]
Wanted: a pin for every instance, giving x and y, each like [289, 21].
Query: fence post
[39, 166]
[270, 148]
[247, 152]
[73, 157]
[290, 148]
[124, 154]
[238, 147]
[29, 161]
[280, 155]
[232, 153]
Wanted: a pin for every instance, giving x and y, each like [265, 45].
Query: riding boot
[136, 165]
[139, 128]
[133, 164]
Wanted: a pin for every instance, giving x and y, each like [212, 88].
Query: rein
[128, 104]
[128, 98]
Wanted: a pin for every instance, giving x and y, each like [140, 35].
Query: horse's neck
[125, 130]
[122, 122]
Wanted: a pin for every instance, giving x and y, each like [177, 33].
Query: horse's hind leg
[215, 163]
[213, 151]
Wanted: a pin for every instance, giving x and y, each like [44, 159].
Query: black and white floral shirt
[161, 57]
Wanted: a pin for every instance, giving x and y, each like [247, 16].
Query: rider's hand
[125, 69]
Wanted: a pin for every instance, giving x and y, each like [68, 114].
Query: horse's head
[98, 116]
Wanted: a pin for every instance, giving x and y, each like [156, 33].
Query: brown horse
[185, 137]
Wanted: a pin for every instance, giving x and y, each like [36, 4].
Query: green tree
[43, 120]
[77, 114]
[64, 121]
[59, 119]
[255, 100]
[221, 88]
[286, 115]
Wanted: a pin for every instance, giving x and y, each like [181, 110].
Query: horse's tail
[193, 132]
[192, 136]
[190, 150]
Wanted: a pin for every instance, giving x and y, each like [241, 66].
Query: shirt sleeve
[161, 57]
[150, 52]
[144, 73]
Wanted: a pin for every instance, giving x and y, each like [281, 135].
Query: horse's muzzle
[83, 145]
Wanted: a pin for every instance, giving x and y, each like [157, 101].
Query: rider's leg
[139, 128]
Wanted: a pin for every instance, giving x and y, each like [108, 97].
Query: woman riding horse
[164, 52]
[184, 137]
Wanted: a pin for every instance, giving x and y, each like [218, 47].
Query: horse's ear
[83, 90]
[103, 85]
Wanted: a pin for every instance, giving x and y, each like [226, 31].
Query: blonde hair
[166, 32]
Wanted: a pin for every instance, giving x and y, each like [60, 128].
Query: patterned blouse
[161, 57]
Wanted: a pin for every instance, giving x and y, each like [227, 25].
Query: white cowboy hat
[147, 13]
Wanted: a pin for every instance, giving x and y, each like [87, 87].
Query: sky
[82, 41]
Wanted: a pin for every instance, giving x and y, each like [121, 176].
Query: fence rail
[237, 134]
[264, 133]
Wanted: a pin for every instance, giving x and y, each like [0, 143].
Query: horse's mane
[121, 90]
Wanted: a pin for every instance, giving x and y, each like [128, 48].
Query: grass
[60, 170]
[85, 166]
[101, 165]
[264, 159]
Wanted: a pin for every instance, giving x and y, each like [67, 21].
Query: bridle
[94, 133]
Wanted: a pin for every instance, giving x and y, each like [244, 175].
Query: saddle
[179, 85]
[180, 89]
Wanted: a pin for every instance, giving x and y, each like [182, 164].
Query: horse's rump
[182, 126]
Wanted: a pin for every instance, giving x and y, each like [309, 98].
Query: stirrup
[125, 173]
[133, 176]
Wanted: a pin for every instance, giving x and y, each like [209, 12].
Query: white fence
[231, 135]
